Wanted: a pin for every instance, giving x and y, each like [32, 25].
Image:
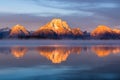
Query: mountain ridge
[59, 29]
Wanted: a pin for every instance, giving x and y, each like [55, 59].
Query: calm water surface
[60, 60]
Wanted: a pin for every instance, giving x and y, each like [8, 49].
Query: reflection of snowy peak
[18, 30]
[18, 52]
[58, 54]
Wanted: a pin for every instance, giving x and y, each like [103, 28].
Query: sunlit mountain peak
[56, 20]
[101, 29]
[56, 25]
[18, 25]
[58, 28]
[77, 31]
[18, 30]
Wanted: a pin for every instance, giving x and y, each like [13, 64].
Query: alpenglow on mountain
[105, 32]
[100, 30]
[18, 31]
[59, 29]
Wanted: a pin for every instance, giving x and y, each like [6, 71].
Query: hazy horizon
[86, 15]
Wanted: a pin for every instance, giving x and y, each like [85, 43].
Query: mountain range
[59, 29]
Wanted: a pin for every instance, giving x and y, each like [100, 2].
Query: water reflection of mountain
[103, 51]
[58, 54]
[18, 52]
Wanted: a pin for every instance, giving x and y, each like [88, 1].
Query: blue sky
[86, 14]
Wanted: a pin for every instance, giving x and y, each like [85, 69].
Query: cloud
[86, 14]
[82, 7]
[78, 3]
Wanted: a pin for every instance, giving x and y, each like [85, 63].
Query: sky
[85, 14]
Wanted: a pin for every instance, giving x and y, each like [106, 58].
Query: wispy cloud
[78, 3]
[82, 7]
[79, 13]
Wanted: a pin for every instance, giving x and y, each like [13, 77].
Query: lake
[59, 59]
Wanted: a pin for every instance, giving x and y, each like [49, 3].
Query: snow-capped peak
[101, 29]
[56, 24]
[18, 29]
